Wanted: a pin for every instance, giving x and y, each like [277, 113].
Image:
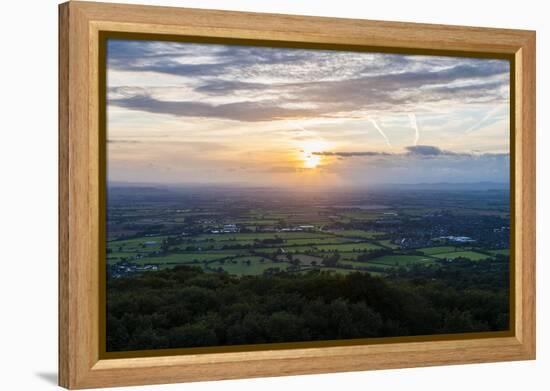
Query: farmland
[228, 266]
[260, 232]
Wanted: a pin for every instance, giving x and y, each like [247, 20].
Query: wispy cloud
[242, 111]
[490, 114]
[271, 82]
[414, 125]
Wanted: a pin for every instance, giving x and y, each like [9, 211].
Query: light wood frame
[80, 364]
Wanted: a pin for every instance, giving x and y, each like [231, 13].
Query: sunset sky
[181, 113]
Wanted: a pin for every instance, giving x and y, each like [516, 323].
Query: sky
[185, 113]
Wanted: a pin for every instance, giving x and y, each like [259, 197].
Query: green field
[306, 259]
[389, 244]
[272, 250]
[505, 251]
[357, 264]
[348, 247]
[213, 252]
[358, 234]
[349, 256]
[315, 241]
[343, 234]
[183, 258]
[437, 250]
[472, 255]
[401, 260]
[136, 242]
[257, 266]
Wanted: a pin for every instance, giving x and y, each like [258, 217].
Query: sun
[310, 150]
[311, 161]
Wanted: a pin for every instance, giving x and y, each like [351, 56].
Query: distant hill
[480, 186]
[119, 188]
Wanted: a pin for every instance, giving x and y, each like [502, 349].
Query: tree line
[187, 307]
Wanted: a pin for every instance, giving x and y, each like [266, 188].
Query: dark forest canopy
[187, 307]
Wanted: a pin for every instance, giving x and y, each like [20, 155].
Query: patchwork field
[341, 238]
[258, 252]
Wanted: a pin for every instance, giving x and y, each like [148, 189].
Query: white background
[28, 194]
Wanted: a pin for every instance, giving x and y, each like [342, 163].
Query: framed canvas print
[247, 195]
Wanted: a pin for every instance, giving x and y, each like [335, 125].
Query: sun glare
[309, 150]
[311, 161]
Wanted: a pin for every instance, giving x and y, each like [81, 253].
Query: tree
[186, 306]
[332, 260]
[164, 246]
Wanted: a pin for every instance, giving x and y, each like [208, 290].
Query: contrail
[412, 120]
[299, 127]
[489, 114]
[296, 126]
[373, 122]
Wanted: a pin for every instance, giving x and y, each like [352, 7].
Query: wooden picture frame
[81, 364]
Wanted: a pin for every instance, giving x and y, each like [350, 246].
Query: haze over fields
[181, 113]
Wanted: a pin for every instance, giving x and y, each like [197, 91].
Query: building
[459, 239]
[230, 228]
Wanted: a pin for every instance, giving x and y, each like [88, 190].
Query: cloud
[386, 91]
[375, 124]
[191, 59]
[427, 150]
[414, 125]
[267, 83]
[352, 154]
[215, 87]
[182, 145]
[200, 60]
[491, 114]
[415, 151]
[241, 111]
